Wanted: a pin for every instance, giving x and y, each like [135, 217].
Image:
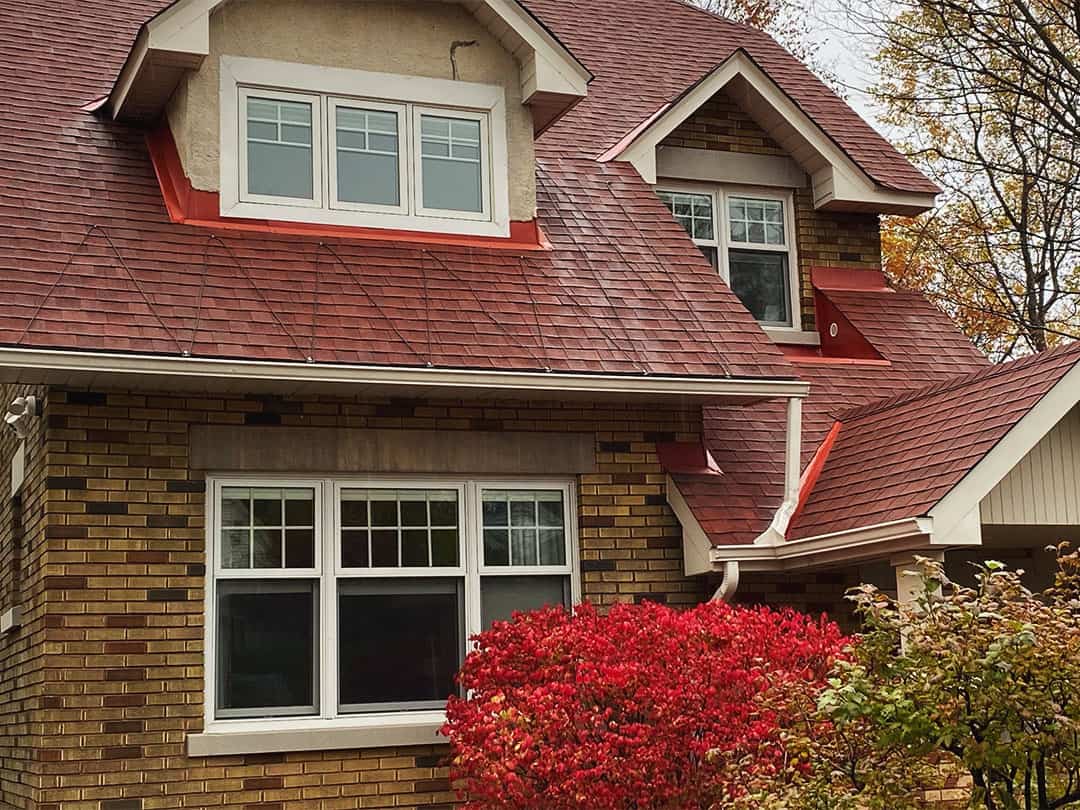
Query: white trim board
[191, 373]
[178, 39]
[838, 183]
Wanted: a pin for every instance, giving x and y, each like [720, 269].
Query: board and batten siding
[1044, 488]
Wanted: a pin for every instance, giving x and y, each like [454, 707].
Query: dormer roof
[177, 39]
[839, 183]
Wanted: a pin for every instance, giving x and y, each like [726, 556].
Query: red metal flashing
[190, 206]
[839, 337]
[686, 458]
[843, 278]
[814, 468]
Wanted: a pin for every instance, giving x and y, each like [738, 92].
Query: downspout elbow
[729, 584]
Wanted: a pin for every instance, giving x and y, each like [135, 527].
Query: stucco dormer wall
[408, 38]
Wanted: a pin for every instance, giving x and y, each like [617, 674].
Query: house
[334, 330]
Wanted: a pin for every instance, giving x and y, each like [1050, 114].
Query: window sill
[228, 738]
[792, 337]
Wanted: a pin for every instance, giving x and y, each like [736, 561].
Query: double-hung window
[356, 148]
[748, 237]
[336, 598]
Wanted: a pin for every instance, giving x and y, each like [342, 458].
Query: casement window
[334, 599]
[748, 236]
[349, 147]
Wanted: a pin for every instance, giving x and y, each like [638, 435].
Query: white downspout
[729, 584]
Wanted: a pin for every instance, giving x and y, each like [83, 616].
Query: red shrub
[630, 709]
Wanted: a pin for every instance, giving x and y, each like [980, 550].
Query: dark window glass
[501, 596]
[760, 279]
[266, 648]
[401, 642]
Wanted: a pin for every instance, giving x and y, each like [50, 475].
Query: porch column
[908, 587]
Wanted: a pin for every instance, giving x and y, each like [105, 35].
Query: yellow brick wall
[123, 679]
[824, 239]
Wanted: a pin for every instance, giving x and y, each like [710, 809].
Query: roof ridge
[953, 383]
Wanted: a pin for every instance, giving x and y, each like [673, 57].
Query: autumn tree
[988, 95]
[787, 21]
[987, 675]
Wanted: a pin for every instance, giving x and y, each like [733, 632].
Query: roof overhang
[164, 373]
[178, 39]
[953, 522]
[967, 495]
[838, 183]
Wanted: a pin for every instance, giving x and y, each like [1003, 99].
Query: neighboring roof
[917, 344]
[896, 458]
[93, 262]
[645, 54]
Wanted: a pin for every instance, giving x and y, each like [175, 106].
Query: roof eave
[143, 371]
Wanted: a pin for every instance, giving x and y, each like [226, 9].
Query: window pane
[266, 548]
[451, 164]
[266, 648]
[501, 596]
[236, 548]
[423, 521]
[760, 279]
[693, 211]
[354, 549]
[401, 642]
[279, 150]
[368, 160]
[299, 548]
[267, 527]
[756, 221]
[535, 518]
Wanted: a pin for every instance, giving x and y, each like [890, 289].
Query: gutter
[846, 546]
[70, 367]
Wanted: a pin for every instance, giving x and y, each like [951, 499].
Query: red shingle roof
[92, 261]
[920, 345]
[896, 458]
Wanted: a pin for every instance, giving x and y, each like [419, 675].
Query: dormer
[399, 116]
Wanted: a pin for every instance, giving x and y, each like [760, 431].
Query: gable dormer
[405, 115]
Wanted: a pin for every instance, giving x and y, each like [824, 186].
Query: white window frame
[724, 244]
[365, 88]
[418, 161]
[316, 147]
[328, 571]
[332, 104]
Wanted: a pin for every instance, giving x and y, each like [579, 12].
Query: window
[349, 147]
[747, 237]
[334, 599]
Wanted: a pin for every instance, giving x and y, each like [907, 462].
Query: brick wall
[22, 547]
[124, 570]
[823, 239]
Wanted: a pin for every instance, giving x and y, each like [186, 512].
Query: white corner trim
[950, 512]
[696, 543]
[95, 364]
[10, 619]
[840, 179]
[265, 737]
